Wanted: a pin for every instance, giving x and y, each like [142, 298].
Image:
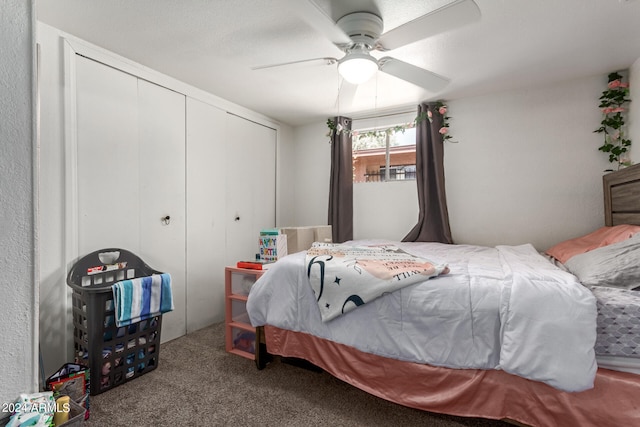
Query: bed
[503, 373]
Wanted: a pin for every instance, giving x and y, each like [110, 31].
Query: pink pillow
[601, 237]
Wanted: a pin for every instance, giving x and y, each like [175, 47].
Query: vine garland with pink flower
[440, 108]
[613, 106]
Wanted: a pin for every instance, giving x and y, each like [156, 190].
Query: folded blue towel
[142, 298]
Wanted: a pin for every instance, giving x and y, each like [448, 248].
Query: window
[384, 156]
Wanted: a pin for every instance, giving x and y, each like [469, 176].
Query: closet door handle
[166, 220]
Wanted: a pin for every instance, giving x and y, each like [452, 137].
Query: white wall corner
[634, 111]
[285, 178]
[313, 168]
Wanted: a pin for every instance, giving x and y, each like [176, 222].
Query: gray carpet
[198, 384]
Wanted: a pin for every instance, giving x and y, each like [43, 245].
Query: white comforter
[498, 308]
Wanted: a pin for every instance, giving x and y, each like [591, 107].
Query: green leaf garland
[613, 106]
[441, 109]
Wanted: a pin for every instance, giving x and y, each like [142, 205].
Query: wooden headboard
[622, 196]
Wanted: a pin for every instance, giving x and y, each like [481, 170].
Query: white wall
[19, 313]
[526, 169]
[286, 178]
[313, 166]
[634, 111]
[395, 202]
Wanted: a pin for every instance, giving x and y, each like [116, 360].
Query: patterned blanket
[344, 277]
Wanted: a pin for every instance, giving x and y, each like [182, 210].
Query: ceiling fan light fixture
[357, 68]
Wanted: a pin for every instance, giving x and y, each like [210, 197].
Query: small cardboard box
[298, 238]
[301, 238]
[323, 233]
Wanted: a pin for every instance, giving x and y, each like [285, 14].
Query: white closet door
[131, 173]
[206, 183]
[251, 185]
[161, 171]
[108, 158]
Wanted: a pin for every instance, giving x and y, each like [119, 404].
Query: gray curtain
[341, 183]
[433, 219]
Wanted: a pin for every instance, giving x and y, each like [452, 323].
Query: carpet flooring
[197, 383]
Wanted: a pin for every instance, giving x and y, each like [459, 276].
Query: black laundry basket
[114, 355]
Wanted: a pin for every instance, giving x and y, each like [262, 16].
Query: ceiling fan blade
[453, 15]
[302, 62]
[313, 15]
[346, 94]
[416, 75]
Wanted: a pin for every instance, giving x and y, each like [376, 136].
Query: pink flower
[614, 84]
[607, 110]
[442, 110]
[443, 130]
[618, 110]
[624, 85]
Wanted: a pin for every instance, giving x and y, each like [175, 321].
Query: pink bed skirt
[614, 401]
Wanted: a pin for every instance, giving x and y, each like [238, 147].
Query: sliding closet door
[206, 183]
[251, 185]
[108, 184]
[131, 173]
[161, 176]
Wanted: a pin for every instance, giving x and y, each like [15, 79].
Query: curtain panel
[433, 217]
[341, 182]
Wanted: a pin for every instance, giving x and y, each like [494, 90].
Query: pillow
[616, 265]
[601, 237]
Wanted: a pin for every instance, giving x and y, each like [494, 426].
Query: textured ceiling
[213, 45]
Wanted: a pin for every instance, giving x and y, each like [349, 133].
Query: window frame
[382, 122]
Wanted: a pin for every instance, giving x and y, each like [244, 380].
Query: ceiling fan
[359, 33]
